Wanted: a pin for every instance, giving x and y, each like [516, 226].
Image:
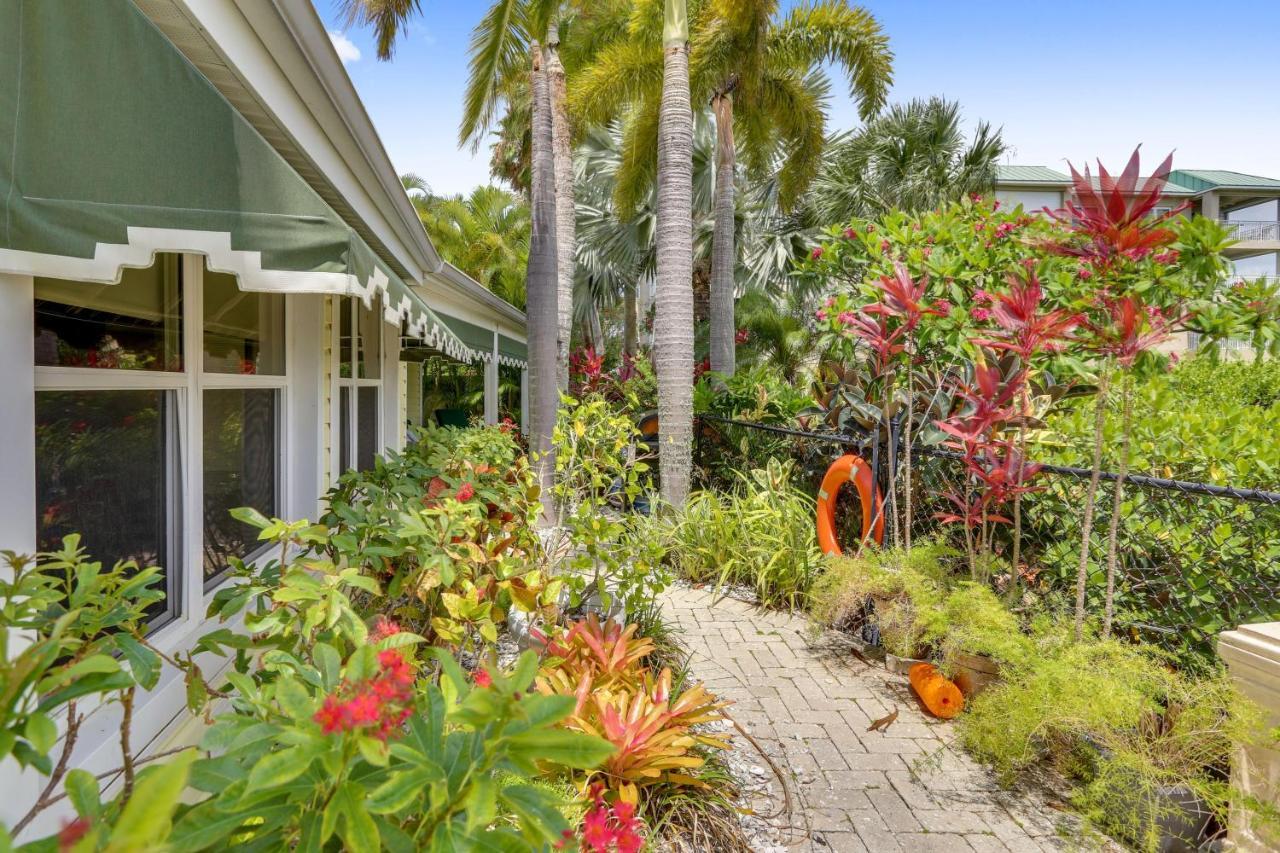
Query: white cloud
[347, 51]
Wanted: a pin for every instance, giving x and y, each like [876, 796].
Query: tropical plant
[759, 534]
[484, 234]
[598, 474]
[764, 70]
[331, 730]
[912, 157]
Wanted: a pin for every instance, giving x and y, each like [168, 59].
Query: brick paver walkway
[810, 705]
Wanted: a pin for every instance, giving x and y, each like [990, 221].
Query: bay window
[159, 404]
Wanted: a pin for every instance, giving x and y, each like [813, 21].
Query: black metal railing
[1194, 559]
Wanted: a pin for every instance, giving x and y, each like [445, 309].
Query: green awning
[512, 352]
[113, 147]
[478, 338]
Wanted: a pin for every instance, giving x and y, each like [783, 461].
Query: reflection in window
[344, 428]
[106, 464]
[133, 325]
[359, 339]
[243, 331]
[366, 426]
[240, 451]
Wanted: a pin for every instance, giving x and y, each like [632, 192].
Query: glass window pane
[367, 443]
[346, 308]
[240, 469]
[243, 331]
[344, 429]
[370, 340]
[133, 325]
[106, 468]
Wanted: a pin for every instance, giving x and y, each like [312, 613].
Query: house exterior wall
[1031, 199]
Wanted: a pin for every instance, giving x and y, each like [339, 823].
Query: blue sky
[1068, 80]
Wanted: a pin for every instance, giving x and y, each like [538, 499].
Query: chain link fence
[1194, 559]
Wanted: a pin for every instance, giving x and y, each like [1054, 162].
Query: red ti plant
[1028, 331]
[902, 299]
[1112, 229]
[997, 471]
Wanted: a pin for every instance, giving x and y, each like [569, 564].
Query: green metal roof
[1200, 180]
[1022, 175]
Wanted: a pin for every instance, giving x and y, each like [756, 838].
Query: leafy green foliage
[760, 534]
[1117, 720]
[598, 475]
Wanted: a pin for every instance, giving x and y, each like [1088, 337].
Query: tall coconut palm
[673, 321]
[913, 157]
[485, 234]
[756, 69]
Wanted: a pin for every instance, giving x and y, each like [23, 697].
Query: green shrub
[760, 534]
[977, 622]
[907, 591]
[1118, 721]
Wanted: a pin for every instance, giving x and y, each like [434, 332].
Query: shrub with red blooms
[609, 827]
[466, 492]
[379, 706]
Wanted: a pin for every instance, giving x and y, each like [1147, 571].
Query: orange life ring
[846, 468]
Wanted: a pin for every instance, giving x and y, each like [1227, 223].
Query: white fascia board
[444, 295]
[257, 42]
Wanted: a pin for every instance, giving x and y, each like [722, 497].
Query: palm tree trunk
[673, 323]
[566, 236]
[723, 251]
[630, 332]
[540, 287]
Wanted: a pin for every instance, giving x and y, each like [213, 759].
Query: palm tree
[507, 47]
[914, 157]
[757, 69]
[673, 322]
[484, 234]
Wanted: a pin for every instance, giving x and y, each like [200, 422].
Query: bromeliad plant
[651, 725]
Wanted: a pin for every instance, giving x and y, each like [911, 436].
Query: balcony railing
[1253, 230]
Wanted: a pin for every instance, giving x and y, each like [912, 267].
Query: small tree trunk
[1091, 496]
[723, 251]
[673, 323]
[906, 452]
[566, 233]
[1117, 496]
[540, 289]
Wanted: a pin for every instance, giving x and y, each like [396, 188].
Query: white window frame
[348, 446]
[188, 481]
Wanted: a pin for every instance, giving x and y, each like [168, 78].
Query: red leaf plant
[1131, 328]
[1115, 219]
[1024, 329]
[903, 297]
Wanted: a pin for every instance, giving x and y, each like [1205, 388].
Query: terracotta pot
[974, 673]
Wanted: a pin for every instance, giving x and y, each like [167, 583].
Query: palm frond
[498, 53]
[385, 17]
[832, 31]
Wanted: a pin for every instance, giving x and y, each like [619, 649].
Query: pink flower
[981, 296]
[942, 306]
[995, 205]
[816, 253]
[847, 318]
[383, 628]
[884, 246]
[1085, 273]
[821, 314]
[742, 336]
[850, 233]
[465, 492]
[927, 251]
[831, 302]
[1166, 258]
[980, 314]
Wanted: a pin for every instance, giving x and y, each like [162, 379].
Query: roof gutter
[473, 289]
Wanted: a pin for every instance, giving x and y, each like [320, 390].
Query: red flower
[378, 705]
[816, 253]
[383, 628]
[482, 678]
[742, 336]
[466, 492]
[331, 716]
[72, 832]
[980, 314]
[850, 233]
